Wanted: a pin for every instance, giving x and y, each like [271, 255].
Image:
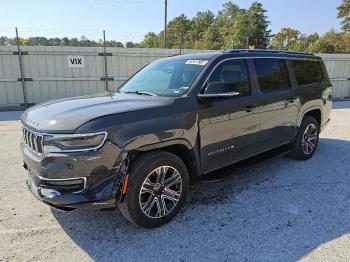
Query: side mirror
[219, 90]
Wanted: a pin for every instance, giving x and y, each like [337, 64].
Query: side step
[232, 170]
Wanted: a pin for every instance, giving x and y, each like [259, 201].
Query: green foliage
[293, 40]
[43, 41]
[332, 42]
[344, 15]
[232, 27]
[131, 44]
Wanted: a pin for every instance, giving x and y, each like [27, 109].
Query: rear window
[308, 72]
[272, 74]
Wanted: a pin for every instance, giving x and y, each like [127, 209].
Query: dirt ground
[276, 210]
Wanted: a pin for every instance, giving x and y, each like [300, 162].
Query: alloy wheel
[160, 192]
[309, 140]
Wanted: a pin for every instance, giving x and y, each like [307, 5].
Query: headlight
[74, 142]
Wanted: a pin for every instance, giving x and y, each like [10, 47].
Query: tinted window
[272, 74]
[234, 71]
[309, 72]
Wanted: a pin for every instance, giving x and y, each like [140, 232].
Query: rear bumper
[75, 180]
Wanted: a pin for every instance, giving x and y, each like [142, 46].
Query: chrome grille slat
[33, 140]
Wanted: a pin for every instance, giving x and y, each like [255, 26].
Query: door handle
[249, 108]
[291, 100]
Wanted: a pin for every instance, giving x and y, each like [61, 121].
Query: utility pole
[105, 60]
[20, 60]
[165, 22]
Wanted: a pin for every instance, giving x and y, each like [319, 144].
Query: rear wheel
[157, 189]
[306, 141]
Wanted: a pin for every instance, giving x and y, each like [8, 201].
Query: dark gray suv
[141, 146]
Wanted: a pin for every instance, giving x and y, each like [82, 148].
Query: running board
[232, 170]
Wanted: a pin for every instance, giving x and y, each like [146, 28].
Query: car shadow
[274, 210]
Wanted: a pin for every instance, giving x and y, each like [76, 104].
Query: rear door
[278, 107]
[228, 126]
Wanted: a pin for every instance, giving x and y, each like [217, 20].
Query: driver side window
[234, 72]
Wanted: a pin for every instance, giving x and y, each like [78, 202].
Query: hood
[66, 115]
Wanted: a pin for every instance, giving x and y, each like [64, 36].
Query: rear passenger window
[308, 72]
[272, 74]
[234, 71]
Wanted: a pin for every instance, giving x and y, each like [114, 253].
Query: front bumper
[75, 180]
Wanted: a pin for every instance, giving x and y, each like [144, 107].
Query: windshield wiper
[141, 93]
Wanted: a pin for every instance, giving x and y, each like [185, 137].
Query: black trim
[108, 78]
[22, 53]
[104, 54]
[25, 79]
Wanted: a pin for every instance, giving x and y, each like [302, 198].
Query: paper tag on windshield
[197, 62]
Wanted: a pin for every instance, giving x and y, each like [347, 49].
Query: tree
[4, 41]
[247, 27]
[178, 29]
[222, 29]
[344, 15]
[151, 40]
[332, 42]
[286, 39]
[240, 31]
[259, 33]
[199, 27]
[131, 44]
[114, 43]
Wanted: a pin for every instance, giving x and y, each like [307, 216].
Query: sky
[130, 20]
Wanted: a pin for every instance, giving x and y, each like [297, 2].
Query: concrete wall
[49, 76]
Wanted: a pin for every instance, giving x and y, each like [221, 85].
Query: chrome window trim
[252, 57]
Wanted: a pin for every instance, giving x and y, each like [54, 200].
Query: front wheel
[157, 189]
[306, 141]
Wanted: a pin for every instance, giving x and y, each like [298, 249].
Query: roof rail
[265, 51]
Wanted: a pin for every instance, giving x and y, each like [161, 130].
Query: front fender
[150, 134]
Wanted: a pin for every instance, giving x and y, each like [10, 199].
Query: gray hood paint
[66, 115]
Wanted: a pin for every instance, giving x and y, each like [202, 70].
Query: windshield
[165, 78]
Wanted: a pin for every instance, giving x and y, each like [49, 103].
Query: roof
[245, 53]
[266, 51]
[199, 56]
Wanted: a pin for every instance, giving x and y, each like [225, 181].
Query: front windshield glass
[165, 78]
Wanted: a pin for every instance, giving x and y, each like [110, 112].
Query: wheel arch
[179, 147]
[314, 111]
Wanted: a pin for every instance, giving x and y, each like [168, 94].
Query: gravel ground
[276, 210]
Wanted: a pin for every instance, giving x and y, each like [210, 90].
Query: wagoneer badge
[32, 122]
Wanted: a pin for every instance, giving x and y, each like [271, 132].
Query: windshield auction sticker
[197, 62]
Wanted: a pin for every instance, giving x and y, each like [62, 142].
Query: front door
[228, 126]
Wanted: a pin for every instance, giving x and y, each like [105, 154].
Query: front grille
[33, 140]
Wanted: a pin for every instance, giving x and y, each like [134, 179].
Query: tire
[144, 197]
[306, 142]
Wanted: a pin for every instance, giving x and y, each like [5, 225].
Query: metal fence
[338, 67]
[35, 74]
